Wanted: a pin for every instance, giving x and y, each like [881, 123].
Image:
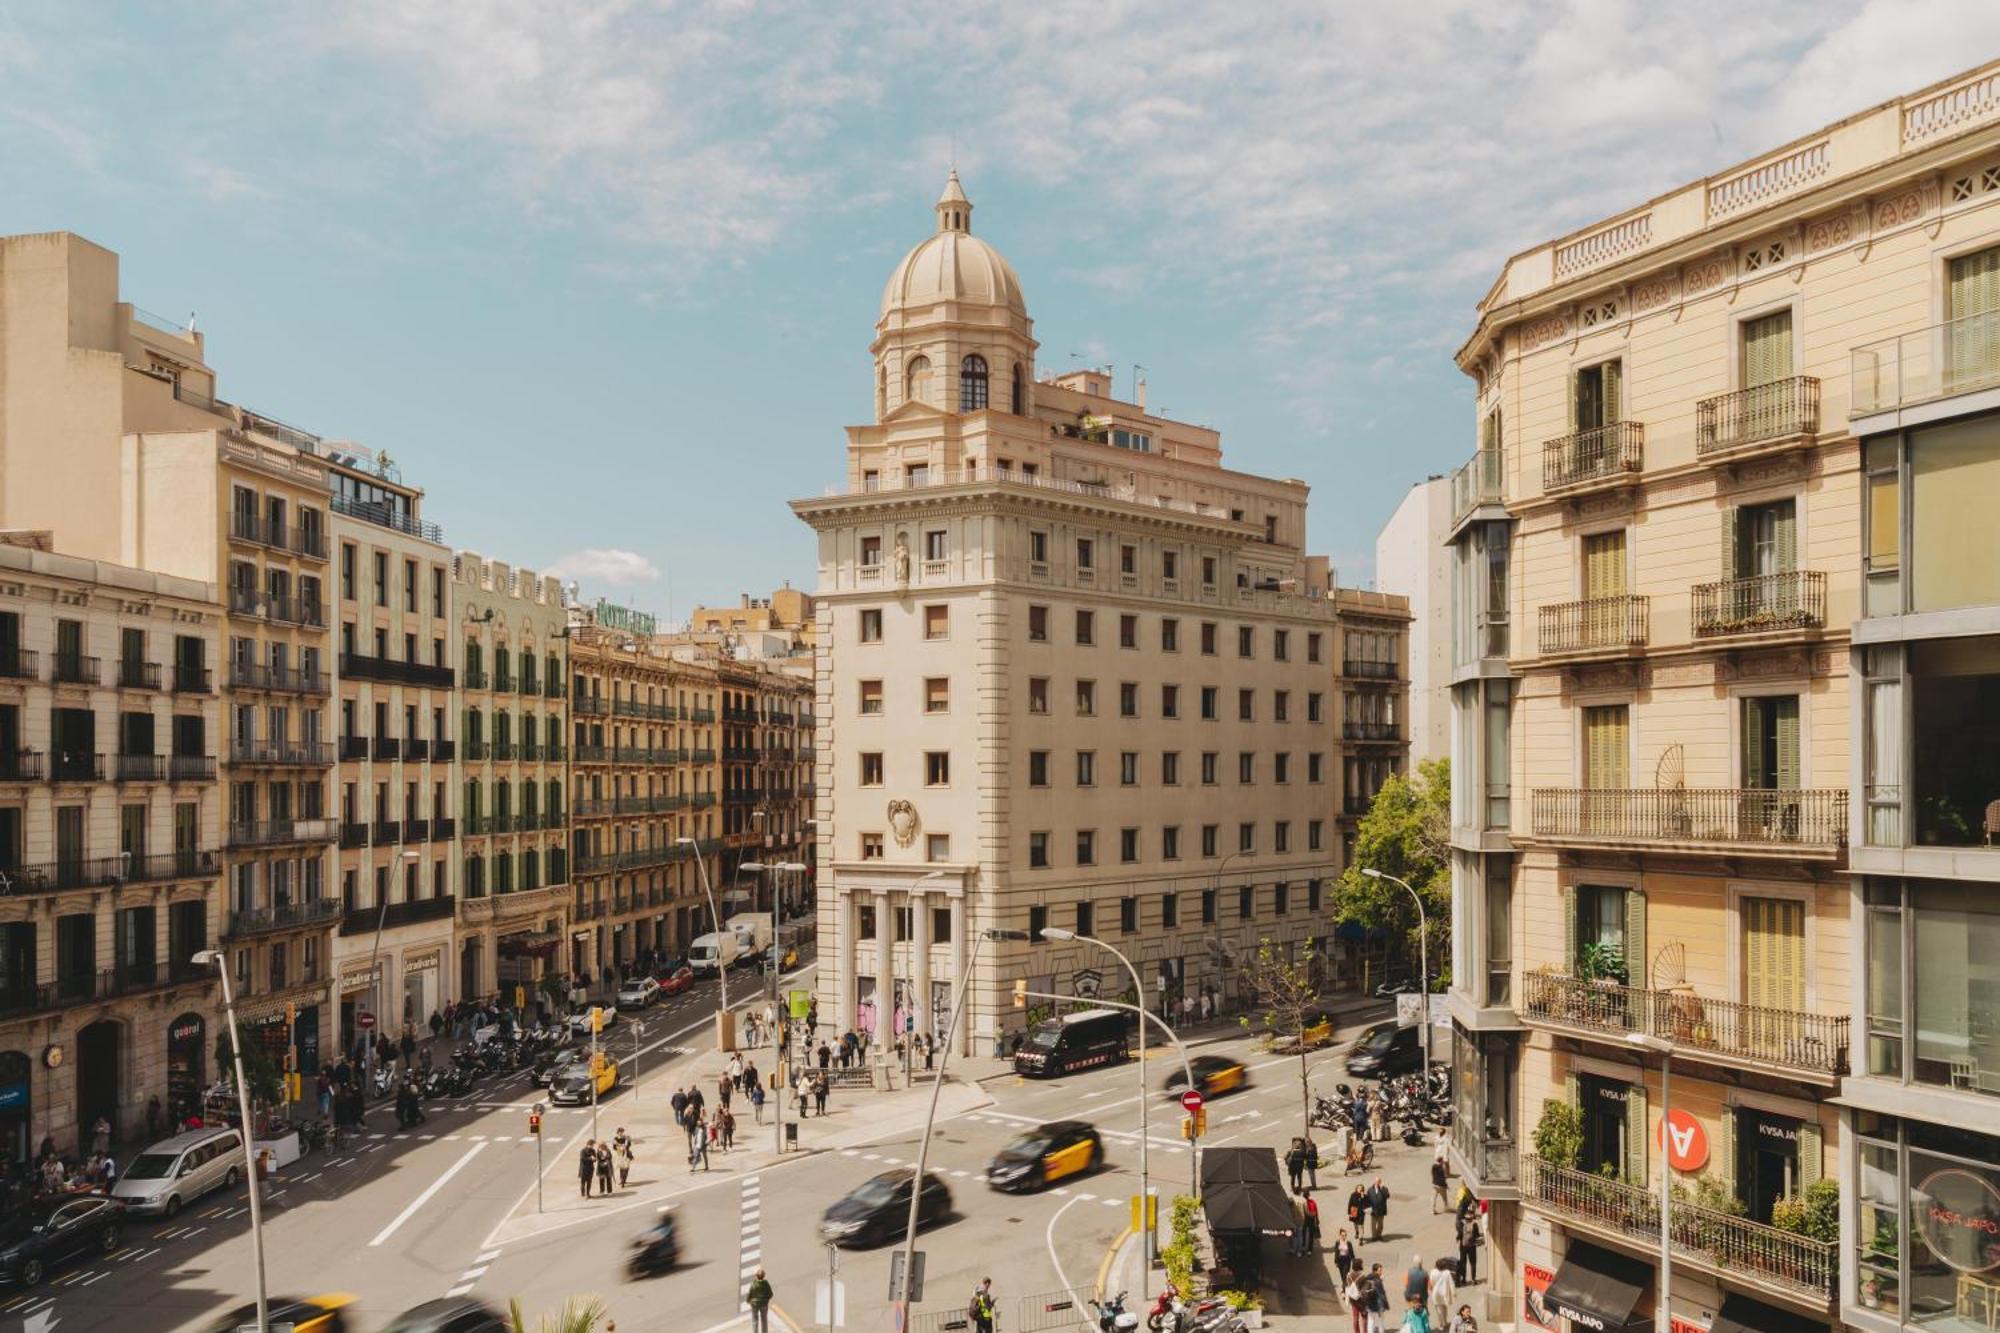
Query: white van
[711, 953]
[175, 1172]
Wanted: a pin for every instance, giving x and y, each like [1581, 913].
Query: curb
[1110, 1258]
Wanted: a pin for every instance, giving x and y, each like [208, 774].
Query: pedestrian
[1207, 1004]
[604, 1168]
[695, 1099]
[1440, 1180]
[701, 1138]
[1312, 1164]
[100, 1136]
[1443, 1292]
[586, 1166]
[1464, 1322]
[825, 1055]
[408, 1048]
[437, 1025]
[1312, 1226]
[749, 1077]
[735, 1066]
[1378, 1118]
[679, 1102]
[758, 1297]
[819, 1095]
[153, 1114]
[1416, 1280]
[621, 1149]
[1443, 1152]
[727, 1121]
[1355, 1289]
[1468, 1247]
[1357, 1210]
[725, 1088]
[1343, 1255]
[1378, 1298]
[757, 1101]
[1416, 1319]
[1378, 1209]
[1295, 1165]
[1357, 1115]
[930, 1052]
[980, 1310]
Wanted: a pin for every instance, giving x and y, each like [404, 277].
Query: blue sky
[601, 274]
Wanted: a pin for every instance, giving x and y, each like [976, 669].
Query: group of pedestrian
[706, 1130]
[1367, 1206]
[1368, 1116]
[1194, 1008]
[810, 1089]
[596, 1161]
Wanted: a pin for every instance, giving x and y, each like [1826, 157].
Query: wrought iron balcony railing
[192, 679]
[1763, 414]
[72, 767]
[138, 675]
[70, 669]
[1790, 821]
[1807, 1044]
[191, 767]
[1608, 453]
[285, 916]
[283, 680]
[1764, 604]
[20, 664]
[1595, 625]
[138, 768]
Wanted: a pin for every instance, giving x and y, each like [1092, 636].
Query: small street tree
[1406, 833]
[1286, 991]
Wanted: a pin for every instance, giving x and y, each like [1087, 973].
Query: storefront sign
[364, 979]
[13, 1096]
[1788, 1132]
[612, 616]
[1676, 1324]
[422, 963]
[1958, 1213]
[1534, 1290]
[1685, 1140]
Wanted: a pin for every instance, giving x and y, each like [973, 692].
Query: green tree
[583, 1314]
[267, 1086]
[1406, 833]
[1285, 990]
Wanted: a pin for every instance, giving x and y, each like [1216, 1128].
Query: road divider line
[426, 1196]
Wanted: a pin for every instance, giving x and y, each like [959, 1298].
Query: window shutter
[1573, 1094]
[1569, 933]
[1754, 776]
[1725, 1155]
[1573, 406]
[1637, 961]
[1767, 349]
[1786, 525]
[1786, 712]
[1638, 1128]
[1614, 375]
[1973, 291]
[1732, 566]
[1812, 1148]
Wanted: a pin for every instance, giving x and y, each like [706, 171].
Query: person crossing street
[758, 1297]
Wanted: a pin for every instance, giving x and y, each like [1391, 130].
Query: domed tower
[954, 334]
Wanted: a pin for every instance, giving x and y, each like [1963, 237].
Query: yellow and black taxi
[300, 1314]
[1213, 1074]
[1317, 1031]
[1046, 1154]
[571, 1085]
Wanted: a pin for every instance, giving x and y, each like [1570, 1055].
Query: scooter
[1112, 1316]
[654, 1250]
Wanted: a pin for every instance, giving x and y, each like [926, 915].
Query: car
[638, 993]
[571, 1084]
[579, 1022]
[784, 963]
[175, 1172]
[1315, 1032]
[878, 1209]
[1213, 1074]
[44, 1235]
[296, 1314]
[676, 979]
[451, 1314]
[1384, 1050]
[1045, 1154]
[549, 1065]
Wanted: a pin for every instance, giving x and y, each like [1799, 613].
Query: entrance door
[1604, 1115]
[1774, 972]
[1771, 767]
[99, 1053]
[1767, 1161]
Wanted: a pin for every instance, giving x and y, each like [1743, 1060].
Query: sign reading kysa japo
[1958, 1212]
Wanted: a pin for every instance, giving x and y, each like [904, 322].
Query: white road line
[1049, 1236]
[471, 1273]
[426, 1196]
[487, 1257]
[460, 1291]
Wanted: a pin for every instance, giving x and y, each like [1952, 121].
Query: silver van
[175, 1172]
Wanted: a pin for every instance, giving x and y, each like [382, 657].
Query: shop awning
[1596, 1289]
[1740, 1314]
[539, 945]
[1241, 1193]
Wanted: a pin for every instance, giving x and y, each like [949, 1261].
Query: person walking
[1378, 1298]
[825, 1055]
[757, 1101]
[604, 1168]
[100, 1137]
[679, 1102]
[1417, 1318]
[758, 1297]
[1312, 1163]
[980, 1310]
[1357, 1210]
[697, 1145]
[1295, 1165]
[726, 1121]
[1378, 1209]
[1440, 1181]
[725, 1088]
[1464, 1322]
[1311, 1243]
[1468, 1246]
[820, 1087]
[1343, 1257]
[1355, 1289]
[621, 1149]
[1378, 1118]
[1416, 1281]
[586, 1166]
[1443, 1290]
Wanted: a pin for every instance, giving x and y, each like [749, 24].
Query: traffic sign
[1191, 1100]
[916, 1277]
[364, 1020]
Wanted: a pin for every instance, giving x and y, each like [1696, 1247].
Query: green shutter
[1573, 401]
[1614, 386]
[1725, 1155]
[1637, 1129]
[1812, 1149]
[1767, 349]
[1754, 776]
[1786, 523]
[1637, 965]
[1573, 1093]
[1569, 932]
[1786, 713]
[1732, 550]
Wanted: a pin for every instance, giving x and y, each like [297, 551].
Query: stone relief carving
[903, 822]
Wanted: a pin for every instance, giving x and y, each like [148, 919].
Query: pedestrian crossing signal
[1021, 993]
[534, 1122]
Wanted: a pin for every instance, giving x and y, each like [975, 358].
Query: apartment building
[514, 887]
[1072, 672]
[110, 844]
[1710, 808]
[784, 619]
[646, 837]
[1377, 636]
[115, 440]
[1409, 561]
[394, 692]
[767, 756]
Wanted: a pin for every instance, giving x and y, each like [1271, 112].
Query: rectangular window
[1128, 560]
[1246, 837]
[1281, 766]
[871, 552]
[1246, 902]
[1954, 491]
[1086, 919]
[1281, 836]
[937, 847]
[1281, 705]
[871, 625]
[934, 544]
[1170, 701]
[1208, 907]
[937, 622]
[1170, 565]
[1313, 646]
[1038, 547]
[1246, 705]
[871, 768]
[1086, 628]
[1208, 638]
[1038, 768]
[871, 850]
[1281, 898]
[1209, 839]
[1128, 768]
[1038, 694]
[1086, 553]
[1038, 921]
[937, 694]
[1210, 703]
[1086, 849]
[1170, 636]
[1128, 916]
[1315, 704]
[1170, 910]
[1315, 840]
[1605, 737]
[1170, 768]
[1038, 624]
[937, 768]
[1246, 767]
[1128, 845]
[1086, 768]
[871, 696]
[1209, 762]
[1281, 645]
[1128, 698]
[1208, 570]
[1128, 631]
[1086, 698]
[1246, 641]
[1038, 858]
[1170, 845]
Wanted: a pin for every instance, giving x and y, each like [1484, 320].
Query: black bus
[1073, 1041]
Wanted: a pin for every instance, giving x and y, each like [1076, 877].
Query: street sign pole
[596, 1022]
[638, 1031]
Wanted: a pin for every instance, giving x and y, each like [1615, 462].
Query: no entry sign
[1191, 1100]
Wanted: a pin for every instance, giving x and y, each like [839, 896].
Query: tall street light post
[375, 982]
[778, 953]
[1648, 1041]
[1145, 1100]
[902, 1294]
[213, 958]
[1423, 955]
[722, 1035]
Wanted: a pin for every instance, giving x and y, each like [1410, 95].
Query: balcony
[77, 768]
[1371, 731]
[1749, 821]
[387, 516]
[444, 830]
[531, 752]
[361, 666]
[1596, 626]
[739, 796]
[1368, 670]
[1768, 604]
[138, 675]
[590, 705]
[285, 916]
[739, 753]
[280, 832]
[62, 875]
[385, 748]
[20, 664]
[353, 835]
[353, 749]
[21, 766]
[477, 751]
[1590, 459]
[416, 830]
[69, 669]
[552, 688]
[278, 609]
[364, 920]
[416, 750]
[444, 752]
[191, 768]
[387, 833]
[476, 678]
[1946, 360]
[260, 531]
[173, 865]
[282, 754]
[1476, 483]
[279, 680]
[1494, 1163]
[1781, 1263]
[703, 799]
[1759, 420]
[1723, 1032]
[138, 768]
[505, 751]
[503, 683]
[190, 679]
[701, 756]
[701, 715]
[593, 754]
[554, 754]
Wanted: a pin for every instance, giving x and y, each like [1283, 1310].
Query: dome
[953, 265]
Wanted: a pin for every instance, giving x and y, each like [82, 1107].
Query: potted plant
[1247, 1304]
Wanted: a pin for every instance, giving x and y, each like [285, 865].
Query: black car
[1385, 1050]
[878, 1210]
[52, 1233]
[547, 1066]
[451, 1314]
[1046, 1154]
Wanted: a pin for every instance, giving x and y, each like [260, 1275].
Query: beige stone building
[1724, 633]
[514, 887]
[767, 757]
[1072, 672]
[772, 626]
[1372, 680]
[110, 834]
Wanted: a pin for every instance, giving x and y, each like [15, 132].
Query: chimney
[1141, 396]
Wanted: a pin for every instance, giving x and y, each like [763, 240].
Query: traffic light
[1020, 993]
[1196, 1125]
[534, 1122]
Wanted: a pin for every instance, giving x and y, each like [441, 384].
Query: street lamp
[902, 1310]
[213, 958]
[1423, 955]
[1145, 1133]
[721, 966]
[1648, 1041]
[778, 952]
[410, 858]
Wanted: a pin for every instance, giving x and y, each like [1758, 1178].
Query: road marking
[92, 1278]
[15, 1304]
[751, 1245]
[1049, 1237]
[426, 1196]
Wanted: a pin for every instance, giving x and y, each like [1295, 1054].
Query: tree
[267, 1086]
[1286, 990]
[578, 1315]
[1406, 833]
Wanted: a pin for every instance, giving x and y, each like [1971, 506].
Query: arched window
[972, 383]
[1020, 393]
[917, 379]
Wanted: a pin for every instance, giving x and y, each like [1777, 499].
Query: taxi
[1046, 1154]
[300, 1314]
[571, 1085]
[1317, 1032]
[1213, 1074]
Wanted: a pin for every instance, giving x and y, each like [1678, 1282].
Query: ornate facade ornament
[903, 822]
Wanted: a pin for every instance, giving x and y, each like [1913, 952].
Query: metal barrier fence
[1066, 1309]
[941, 1321]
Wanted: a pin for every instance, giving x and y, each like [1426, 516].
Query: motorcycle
[1112, 1316]
[654, 1250]
[1173, 1314]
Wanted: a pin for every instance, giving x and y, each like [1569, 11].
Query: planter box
[283, 1150]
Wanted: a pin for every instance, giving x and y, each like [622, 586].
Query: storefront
[421, 974]
[16, 1105]
[1596, 1290]
[360, 993]
[187, 1063]
[1926, 1248]
[1767, 1160]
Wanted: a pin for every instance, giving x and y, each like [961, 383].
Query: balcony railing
[173, 865]
[1752, 1035]
[77, 768]
[191, 767]
[1477, 482]
[476, 678]
[22, 766]
[1371, 731]
[1942, 361]
[1781, 410]
[1790, 821]
[1748, 1251]
[279, 832]
[444, 830]
[385, 747]
[61, 875]
[416, 749]
[286, 610]
[353, 748]
[138, 675]
[285, 916]
[69, 669]
[284, 680]
[702, 756]
[353, 834]
[1608, 453]
[1596, 625]
[1763, 604]
[364, 920]
[281, 753]
[191, 679]
[444, 752]
[20, 664]
[361, 666]
[387, 832]
[138, 768]
[387, 516]
[503, 751]
[1368, 670]
[477, 750]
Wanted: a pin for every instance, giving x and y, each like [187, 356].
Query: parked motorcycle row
[1171, 1313]
[1416, 1102]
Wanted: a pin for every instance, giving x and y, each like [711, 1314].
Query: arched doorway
[186, 1066]
[16, 1105]
[99, 1053]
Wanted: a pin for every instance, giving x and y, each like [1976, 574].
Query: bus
[1073, 1041]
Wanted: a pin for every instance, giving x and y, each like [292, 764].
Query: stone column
[920, 913]
[842, 1011]
[885, 970]
[959, 953]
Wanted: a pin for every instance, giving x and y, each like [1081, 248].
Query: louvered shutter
[1754, 776]
[1724, 1159]
[1638, 1128]
[1732, 551]
[1785, 713]
[1614, 392]
[1569, 932]
[1788, 954]
[1637, 963]
[1767, 349]
[1756, 951]
[1812, 1149]
[1973, 295]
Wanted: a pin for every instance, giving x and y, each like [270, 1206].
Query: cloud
[607, 565]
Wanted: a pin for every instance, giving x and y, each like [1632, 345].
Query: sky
[601, 275]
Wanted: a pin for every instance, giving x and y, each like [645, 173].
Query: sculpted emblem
[903, 822]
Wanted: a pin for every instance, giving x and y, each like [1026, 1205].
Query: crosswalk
[751, 1245]
[476, 1270]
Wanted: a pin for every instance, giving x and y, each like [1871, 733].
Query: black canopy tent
[1595, 1289]
[1242, 1193]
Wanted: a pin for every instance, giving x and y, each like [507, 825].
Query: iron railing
[1786, 1038]
[138, 768]
[444, 752]
[444, 830]
[1793, 599]
[193, 864]
[285, 680]
[1585, 456]
[138, 675]
[278, 832]
[1368, 670]
[353, 834]
[284, 609]
[364, 920]
[1371, 731]
[191, 679]
[280, 752]
[285, 916]
[1791, 818]
[385, 748]
[387, 516]
[191, 767]
[1757, 415]
[80, 872]
[1596, 624]
[362, 666]
[71, 669]
[22, 765]
[1477, 482]
[386, 832]
[70, 767]
[20, 664]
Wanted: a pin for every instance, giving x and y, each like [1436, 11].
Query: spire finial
[954, 210]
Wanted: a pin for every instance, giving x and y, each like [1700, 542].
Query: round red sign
[1191, 1100]
[364, 1020]
[1685, 1141]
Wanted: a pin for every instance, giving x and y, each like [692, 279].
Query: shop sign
[1614, 1094]
[362, 980]
[1534, 1294]
[13, 1096]
[1676, 1324]
[1685, 1140]
[1787, 1132]
[614, 617]
[185, 1030]
[424, 963]
[1958, 1213]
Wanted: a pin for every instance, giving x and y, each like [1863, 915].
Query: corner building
[1071, 672]
[1723, 629]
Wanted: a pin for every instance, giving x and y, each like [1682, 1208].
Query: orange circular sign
[1686, 1142]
